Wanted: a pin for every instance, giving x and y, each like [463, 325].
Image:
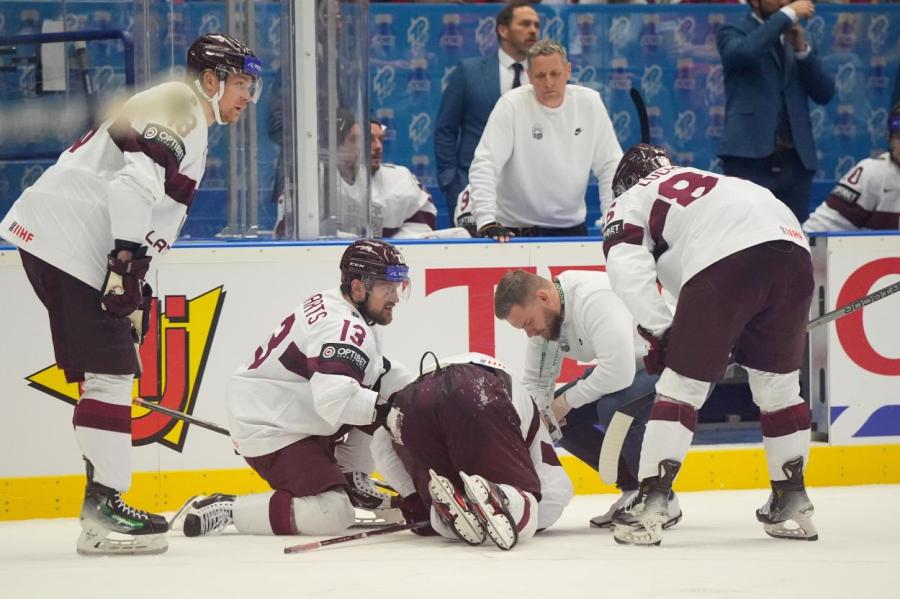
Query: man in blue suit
[771, 72]
[474, 87]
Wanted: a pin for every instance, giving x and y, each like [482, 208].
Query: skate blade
[177, 521]
[800, 530]
[376, 518]
[499, 527]
[96, 542]
[465, 523]
[624, 534]
[602, 522]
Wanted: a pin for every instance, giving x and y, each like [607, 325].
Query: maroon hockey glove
[382, 407]
[496, 231]
[655, 360]
[140, 318]
[414, 510]
[122, 288]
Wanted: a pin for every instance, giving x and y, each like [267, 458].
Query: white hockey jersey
[596, 326]
[132, 178]
[677, 221]
[400, 205]
[313, 375]
[867, 197]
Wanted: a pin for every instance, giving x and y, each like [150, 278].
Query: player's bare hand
[560, 408]
[804, 9]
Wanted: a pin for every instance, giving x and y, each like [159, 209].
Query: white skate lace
[130, 511]
[215, 516]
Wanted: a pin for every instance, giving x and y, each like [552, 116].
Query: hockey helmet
[639, 161]
[374, 260]
[224, 55]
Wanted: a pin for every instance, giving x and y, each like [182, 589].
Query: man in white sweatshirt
[541, 143]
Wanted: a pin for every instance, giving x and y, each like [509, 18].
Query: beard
[382, 317]
[555, 328]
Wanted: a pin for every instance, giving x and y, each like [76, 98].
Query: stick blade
[608, 466]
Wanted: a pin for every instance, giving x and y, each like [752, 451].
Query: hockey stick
[641, 109]
[180, 416]
[621, 422]
[216, 428]
[305, 547]
[854, 306]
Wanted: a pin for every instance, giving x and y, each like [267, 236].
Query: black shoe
[641, 521]
[788, 512]
[209, 516]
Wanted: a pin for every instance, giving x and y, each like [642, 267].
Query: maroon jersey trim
[632, 234]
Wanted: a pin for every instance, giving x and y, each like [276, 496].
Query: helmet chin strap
[214, 100]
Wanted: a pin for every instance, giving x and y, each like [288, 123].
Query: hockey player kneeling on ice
[467, 451]
[578, 316]
[87, 231]
[735, 257]
[319, 377]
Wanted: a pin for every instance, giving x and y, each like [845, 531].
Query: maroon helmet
[373, 260]
[224, 55]
[639, 161]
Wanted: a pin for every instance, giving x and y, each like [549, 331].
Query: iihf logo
[417, 35]
[651, 82]
[619, 32]
[384, 82]
[485, 38]
[537, 132]
[419, 129]
[622, 124]
[685, 126]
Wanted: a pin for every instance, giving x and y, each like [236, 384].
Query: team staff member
[87, 230]
[541, 142]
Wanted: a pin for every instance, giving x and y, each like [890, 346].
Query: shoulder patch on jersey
[614, 228]
[346, 354]
[166, 138]
[847, 194]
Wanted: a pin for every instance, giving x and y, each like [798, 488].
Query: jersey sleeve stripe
[178, 186]
[334, 367]
[658, 214]
[295, 360]
[855, 213]
[426, 218]
[884, 220]
[632, 234]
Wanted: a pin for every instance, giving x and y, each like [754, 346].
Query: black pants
[576, 231]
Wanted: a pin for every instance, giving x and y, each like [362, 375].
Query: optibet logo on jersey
[173, 356]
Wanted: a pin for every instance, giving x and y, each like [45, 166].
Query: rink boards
[217, 303]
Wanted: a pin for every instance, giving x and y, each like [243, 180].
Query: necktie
[517, 80]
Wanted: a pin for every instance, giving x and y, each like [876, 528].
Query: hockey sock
[669, 433]
[785, 437]
[278, 513]
[102, 421]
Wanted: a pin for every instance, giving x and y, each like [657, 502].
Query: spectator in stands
[473, 88]
[771, 72]
[542, 141]
[868, 197]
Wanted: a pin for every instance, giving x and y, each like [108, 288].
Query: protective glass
[389, 290]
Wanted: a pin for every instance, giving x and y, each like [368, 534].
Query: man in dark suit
[771, 71]
[474, 87]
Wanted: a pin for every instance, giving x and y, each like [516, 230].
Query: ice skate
[209, 516]
[109, 526]
[788, 512]
[641, 521]
[492, 509]
[605, 520]
[454, 510]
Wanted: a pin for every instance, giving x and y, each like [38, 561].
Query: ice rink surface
[718, 550]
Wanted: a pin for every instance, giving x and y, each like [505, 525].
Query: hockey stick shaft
[181, 416]
[643, 117]
[305, 547]
[854, 306]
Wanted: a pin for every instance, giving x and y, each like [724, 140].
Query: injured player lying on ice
[467, 451]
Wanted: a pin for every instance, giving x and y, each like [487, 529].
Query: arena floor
[717, 551]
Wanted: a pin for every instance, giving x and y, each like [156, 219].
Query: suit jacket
[754, 81]
[472, 90]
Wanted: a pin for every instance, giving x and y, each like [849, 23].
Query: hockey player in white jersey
[87, 231]
[735, 257]
[320, 376]
[578, 316]
[868, 196]
[467, 451]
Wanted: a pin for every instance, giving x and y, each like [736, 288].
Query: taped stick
[180, 416]
[306, 547]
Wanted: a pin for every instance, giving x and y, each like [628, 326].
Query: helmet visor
[395, 291]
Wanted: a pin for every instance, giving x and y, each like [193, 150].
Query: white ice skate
[454, 510]
[492, 508]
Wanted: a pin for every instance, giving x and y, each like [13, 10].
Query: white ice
[719, 550]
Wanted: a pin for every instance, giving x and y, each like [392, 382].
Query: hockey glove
[363, 493]
[123, 287]
[414, 510]
[140, 318]
[655, 360]
[496, 231]
[382, 407]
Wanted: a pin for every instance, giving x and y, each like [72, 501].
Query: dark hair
[516, 288]
[505, 16]
[345, 121]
